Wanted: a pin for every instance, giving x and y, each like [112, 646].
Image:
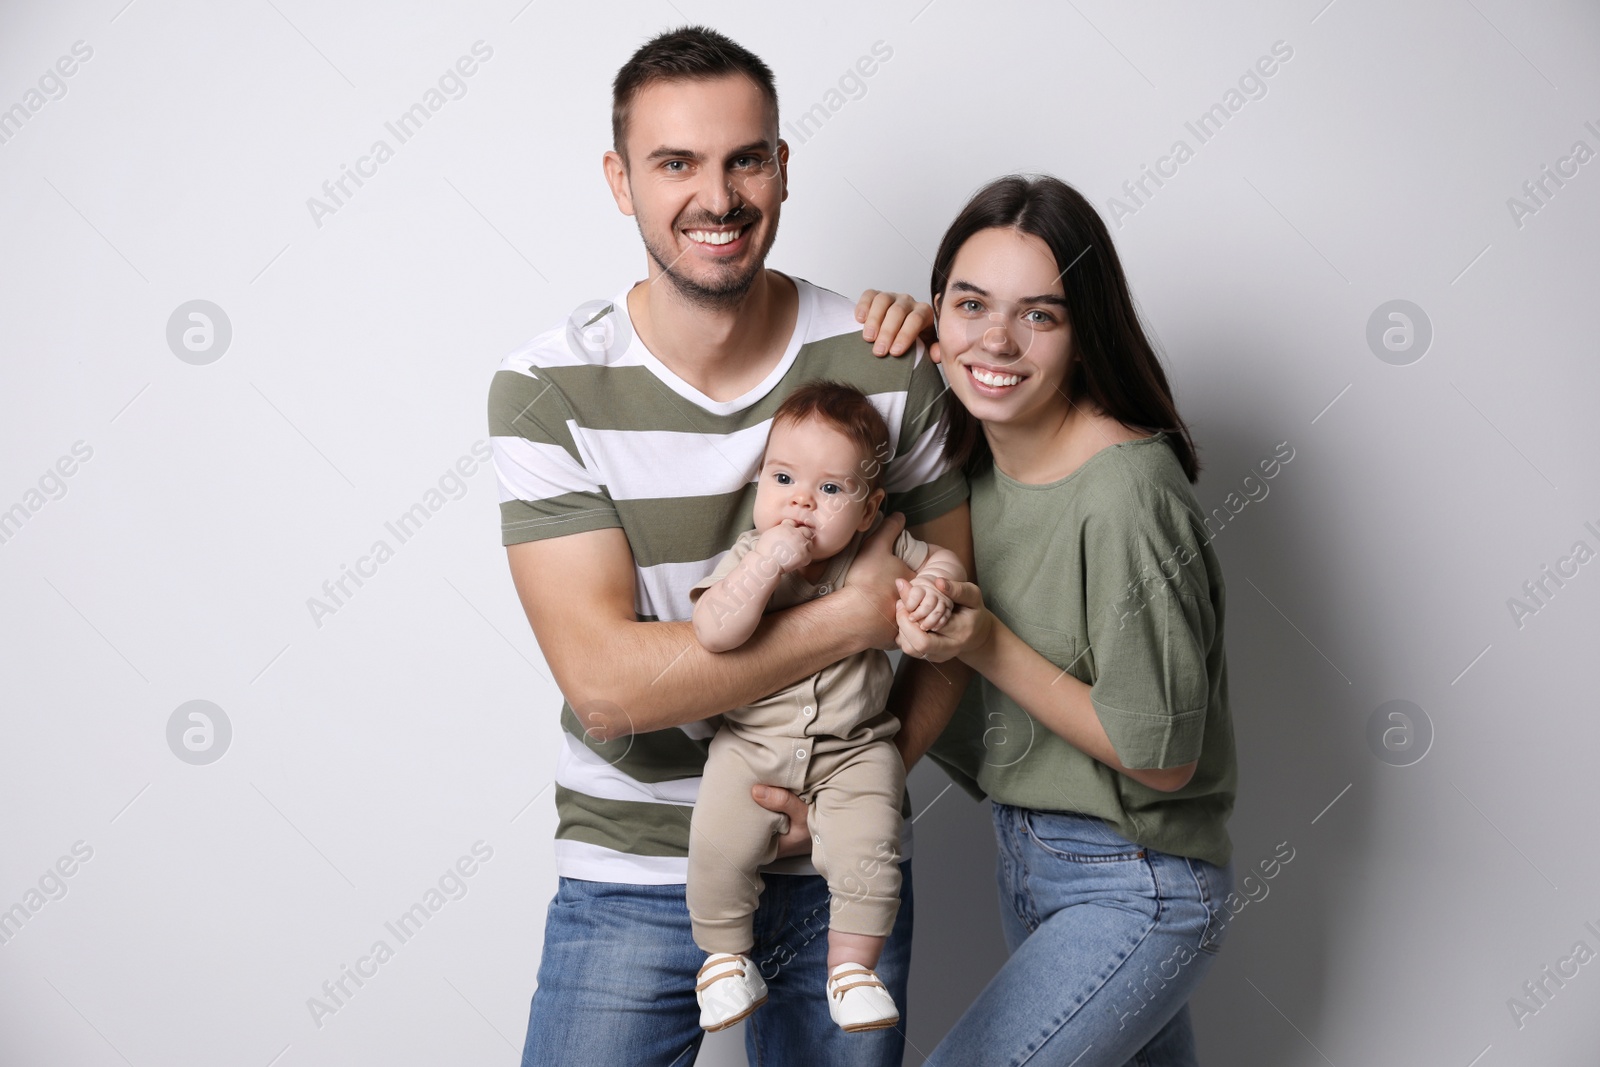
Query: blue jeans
[616, 981]
[1108, 940]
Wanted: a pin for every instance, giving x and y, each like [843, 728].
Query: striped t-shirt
[590, 436]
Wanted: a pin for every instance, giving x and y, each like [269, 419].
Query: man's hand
[796, 840]
[892, 321]
[787, 544]
[871, 578]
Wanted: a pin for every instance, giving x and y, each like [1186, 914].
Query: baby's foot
[728, 987]
[858, 1000]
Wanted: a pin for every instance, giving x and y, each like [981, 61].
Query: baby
[825, 738]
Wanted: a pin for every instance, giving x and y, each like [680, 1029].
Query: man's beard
[731, 284]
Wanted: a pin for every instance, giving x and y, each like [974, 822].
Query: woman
[1099, 724]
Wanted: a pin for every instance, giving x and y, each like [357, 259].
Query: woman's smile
[991, 381]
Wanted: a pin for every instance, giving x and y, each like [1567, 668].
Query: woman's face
[1004, 339]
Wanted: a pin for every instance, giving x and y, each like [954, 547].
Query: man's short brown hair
[693, 53]
[846, 409]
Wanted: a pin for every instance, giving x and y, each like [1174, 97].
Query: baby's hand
[787, 545]
[928, 605]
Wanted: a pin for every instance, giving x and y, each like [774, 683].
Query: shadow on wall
[1286, 701]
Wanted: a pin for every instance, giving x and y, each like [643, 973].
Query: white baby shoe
[728, 988]
[858, 1001]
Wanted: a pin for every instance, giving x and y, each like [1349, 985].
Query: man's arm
[626, 676]
[925, 694]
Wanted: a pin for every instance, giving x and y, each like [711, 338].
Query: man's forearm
[924, 696]
[657, 674]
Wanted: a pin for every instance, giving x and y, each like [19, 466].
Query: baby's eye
[831, 488]
[783, 479]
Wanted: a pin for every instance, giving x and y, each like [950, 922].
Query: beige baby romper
[825, 739]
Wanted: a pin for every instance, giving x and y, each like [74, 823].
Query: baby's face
[816, 476]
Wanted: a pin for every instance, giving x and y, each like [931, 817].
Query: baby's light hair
[846, 409]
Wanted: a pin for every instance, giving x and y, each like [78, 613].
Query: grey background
[370, 752]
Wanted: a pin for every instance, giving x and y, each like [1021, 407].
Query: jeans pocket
[1078, 838]
[1214, 884]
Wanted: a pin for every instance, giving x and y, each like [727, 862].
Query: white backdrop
[178, 515]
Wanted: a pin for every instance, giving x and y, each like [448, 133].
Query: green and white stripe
[584, 445]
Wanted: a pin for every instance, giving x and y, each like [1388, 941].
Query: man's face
[705, 175]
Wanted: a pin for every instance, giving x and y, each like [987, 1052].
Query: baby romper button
[799, 753]
[808, 711]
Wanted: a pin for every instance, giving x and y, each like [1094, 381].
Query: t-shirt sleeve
[912, 552]
[920, 483]
[1151, 626]
[741, 548]
[547, 489]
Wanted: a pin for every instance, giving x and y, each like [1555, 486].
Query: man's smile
[720, 240]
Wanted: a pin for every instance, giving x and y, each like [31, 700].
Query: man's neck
[726, 351]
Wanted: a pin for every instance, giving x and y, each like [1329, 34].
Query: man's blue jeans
[616, 981]
[1108, 940]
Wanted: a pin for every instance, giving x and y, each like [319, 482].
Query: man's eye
[673, 165]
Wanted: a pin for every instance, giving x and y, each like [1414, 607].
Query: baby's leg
[855, 813]
[730, 836]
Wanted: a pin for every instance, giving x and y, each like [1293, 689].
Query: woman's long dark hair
[1114, 366]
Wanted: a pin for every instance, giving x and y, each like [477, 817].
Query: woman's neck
[1051, 446]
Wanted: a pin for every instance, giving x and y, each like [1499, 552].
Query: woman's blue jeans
[1108, 940]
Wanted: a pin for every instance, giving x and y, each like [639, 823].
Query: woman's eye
[1043, 318]
[968, 305]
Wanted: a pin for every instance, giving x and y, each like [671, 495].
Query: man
[626, 471]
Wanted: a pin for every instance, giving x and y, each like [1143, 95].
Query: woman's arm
[1061, 702]
[1042, 689]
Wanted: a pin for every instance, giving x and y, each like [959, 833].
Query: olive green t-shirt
[1109, 574]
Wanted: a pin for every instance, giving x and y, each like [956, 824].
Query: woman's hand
[893, 321]
[969, 628]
